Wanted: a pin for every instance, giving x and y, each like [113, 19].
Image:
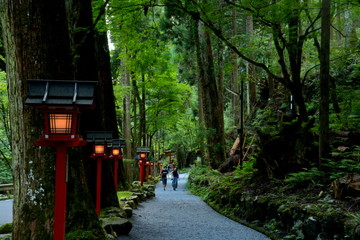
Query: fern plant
[305, 177]
[339, 168]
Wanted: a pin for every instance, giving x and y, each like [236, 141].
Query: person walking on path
[185, 215]
[164, 173]
[175, 179]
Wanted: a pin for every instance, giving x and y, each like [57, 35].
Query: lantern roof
[143, 149]
[99, 136]
[120, 143]
[60, 93]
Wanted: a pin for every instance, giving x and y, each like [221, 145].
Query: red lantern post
[142, 151]
[99, 154]
[147, 167]
[152, 169]
[141, 163]
[60, 102]
[100, 140]
[116, 154]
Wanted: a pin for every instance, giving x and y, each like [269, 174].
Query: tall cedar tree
[37, 46]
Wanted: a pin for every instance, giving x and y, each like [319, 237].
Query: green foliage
[333, 168]
[6, 228]
[245, 174]
[266, 121]
[349, 117]
[202, 176]
[218, 189]
[354, 220]
[5, 173]
[337, 169]
[5, 154]
[125, 194]
[303, 178]
[81, 235]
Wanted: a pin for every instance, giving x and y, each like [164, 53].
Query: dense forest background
[272, 87]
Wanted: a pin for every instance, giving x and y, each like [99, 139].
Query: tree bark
[37, 47]
[214, 118]
[92, 62]
[106, 108]
[235, 77]
[251, 74]
[324, 81]
[127, 117]
[143, 112]
[201, 76]
[135, 93]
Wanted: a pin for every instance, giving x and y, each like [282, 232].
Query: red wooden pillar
[116, 166]
[60, 193]
[146, 172]
[98, 185]
[142, 174]
[141, 170]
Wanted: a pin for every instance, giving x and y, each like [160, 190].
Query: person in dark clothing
[175, 179]
[164, 173]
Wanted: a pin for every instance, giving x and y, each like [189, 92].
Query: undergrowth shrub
[304, 178]
[222, 190]
[349, 163]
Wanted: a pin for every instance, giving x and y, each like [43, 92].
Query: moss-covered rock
[113, 212]
[131, 203]
[117, 225]
[129, 211]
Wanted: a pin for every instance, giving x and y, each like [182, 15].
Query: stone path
[178, 215]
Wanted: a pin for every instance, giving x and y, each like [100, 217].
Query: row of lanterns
[101, 142]
[61, 102]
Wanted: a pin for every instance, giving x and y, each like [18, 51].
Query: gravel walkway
[178, 215]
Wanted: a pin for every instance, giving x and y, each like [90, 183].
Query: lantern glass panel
[99, 149]
[60, 123]
[115, 151]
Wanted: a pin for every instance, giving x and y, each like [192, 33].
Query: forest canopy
[264, 63]
[262, 89]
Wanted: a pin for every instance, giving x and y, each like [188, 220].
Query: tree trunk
[242, 114]
[142, 112]
[235, 77]
[138, 99]
[106, 107]
[135, 93]
[37, 47]
[127, 117]
[220, 79]
[214, 118]
[141, 100]
[92, 62]
[201, 76]
[250, 69]
[324, 81]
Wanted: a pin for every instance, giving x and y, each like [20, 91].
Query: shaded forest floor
[281, 210]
